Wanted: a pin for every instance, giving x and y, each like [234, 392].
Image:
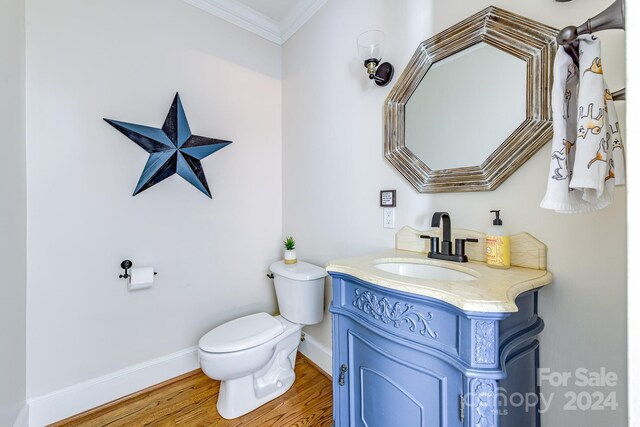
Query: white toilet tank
[300, 291]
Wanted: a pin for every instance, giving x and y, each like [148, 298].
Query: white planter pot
[290, 257]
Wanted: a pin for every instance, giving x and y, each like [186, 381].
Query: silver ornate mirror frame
[521, 37]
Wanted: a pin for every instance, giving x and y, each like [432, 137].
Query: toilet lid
[299, 271]
[240, 334]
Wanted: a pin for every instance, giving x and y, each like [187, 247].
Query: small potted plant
[290, 250]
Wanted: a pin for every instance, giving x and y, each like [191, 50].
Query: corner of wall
[316, 352]
[23, 417]
[13, 226]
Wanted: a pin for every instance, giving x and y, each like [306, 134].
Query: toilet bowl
[254, 356]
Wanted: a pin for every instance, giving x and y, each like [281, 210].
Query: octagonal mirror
[473, 104]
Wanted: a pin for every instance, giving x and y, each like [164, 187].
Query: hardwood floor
[190, 400]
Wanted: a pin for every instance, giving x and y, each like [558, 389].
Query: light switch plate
[389, 218]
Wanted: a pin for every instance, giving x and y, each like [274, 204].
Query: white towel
[587, 155]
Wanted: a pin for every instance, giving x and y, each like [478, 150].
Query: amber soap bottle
[498, 244]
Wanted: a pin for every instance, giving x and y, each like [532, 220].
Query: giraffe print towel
[587, 155]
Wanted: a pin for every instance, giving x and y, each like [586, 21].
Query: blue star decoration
[172, 149]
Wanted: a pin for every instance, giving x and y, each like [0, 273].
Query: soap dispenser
[498, 244]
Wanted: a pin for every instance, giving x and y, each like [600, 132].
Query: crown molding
[298, 16]
[242, 16]
[251, 20]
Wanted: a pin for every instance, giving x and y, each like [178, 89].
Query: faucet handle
[461, 242]
[460, 248]
[435, 243]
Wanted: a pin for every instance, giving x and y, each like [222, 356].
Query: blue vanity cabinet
[411, 361]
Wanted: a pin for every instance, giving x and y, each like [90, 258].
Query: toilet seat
[241, 334]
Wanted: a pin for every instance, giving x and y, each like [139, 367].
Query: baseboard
[81, 397]
[316, 352]
[22, 420]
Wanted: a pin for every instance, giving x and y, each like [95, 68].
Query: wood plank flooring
[190, 400]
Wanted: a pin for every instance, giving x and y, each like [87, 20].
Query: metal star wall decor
[172, 149]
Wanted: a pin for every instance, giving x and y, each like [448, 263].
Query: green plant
[289, 243]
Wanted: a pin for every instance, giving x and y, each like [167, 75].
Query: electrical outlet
[389, 218]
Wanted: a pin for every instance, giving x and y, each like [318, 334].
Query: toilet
[254, 356]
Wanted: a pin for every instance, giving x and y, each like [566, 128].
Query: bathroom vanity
[423, 342]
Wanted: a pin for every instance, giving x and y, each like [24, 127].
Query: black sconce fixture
[370, 48]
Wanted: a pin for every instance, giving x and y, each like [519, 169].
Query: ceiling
[275, 20]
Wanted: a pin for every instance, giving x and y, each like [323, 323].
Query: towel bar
[609, 19]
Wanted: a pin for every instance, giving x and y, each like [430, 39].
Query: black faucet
[444, 251]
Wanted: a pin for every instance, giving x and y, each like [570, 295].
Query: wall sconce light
[370, 48]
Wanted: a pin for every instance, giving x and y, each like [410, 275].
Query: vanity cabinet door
[389, 384]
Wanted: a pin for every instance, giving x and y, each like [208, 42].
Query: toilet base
[239, 396]
[236, 399]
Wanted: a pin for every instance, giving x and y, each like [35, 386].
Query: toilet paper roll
[141, 276]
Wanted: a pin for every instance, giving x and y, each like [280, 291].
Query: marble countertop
[493, 290]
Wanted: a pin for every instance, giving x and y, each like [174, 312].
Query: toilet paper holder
[126, 265]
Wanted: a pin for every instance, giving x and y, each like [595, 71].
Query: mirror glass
[465, 106]
[473, 103]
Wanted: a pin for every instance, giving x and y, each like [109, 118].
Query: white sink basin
[423, 271]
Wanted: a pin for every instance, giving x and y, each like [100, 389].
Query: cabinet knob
[343, 370]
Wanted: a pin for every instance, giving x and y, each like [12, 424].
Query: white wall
[633, 211]
[125, 60]
[333, 169]
[12, 211]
